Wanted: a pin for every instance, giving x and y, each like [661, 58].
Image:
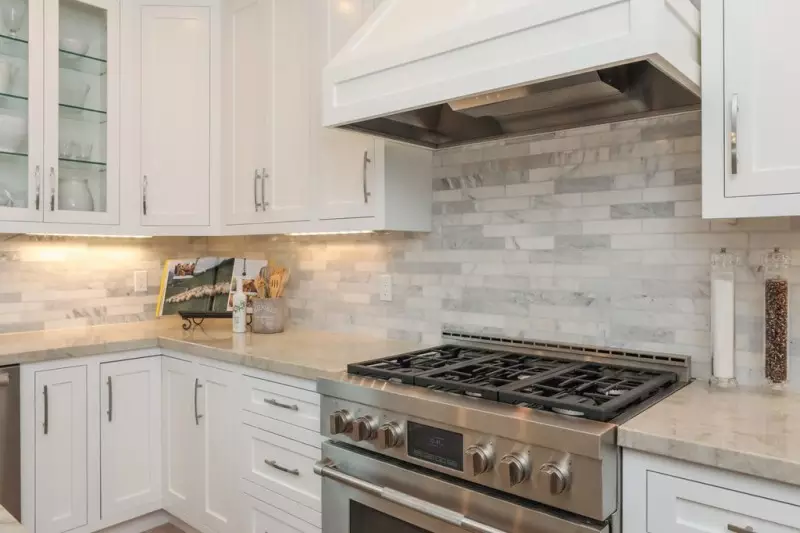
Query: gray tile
[671, 131]
[595, 184]
[638, 333]
[688, 176]
[583, 242]
[644, 210]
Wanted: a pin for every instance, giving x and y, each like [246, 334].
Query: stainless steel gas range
[484, 435]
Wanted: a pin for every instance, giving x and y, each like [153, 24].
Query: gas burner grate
[599, 392]
[404, 367]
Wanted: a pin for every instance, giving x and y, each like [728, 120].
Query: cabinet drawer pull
[734, 134]
[264, 177]
[37, 176]
[276, 466]
[52, 189]
[367, 160]
[276, 403]
[256, 176]
[110, 398]
[197, 416]
[144, 195]
[737, 529]
[46, 423]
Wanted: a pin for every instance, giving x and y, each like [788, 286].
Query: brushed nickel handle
[276, 466]
[110, 398]
[37, 175]
[52, 189]
[46, 423]
[367, 160]
[144, 195]
[326, 469]
[735, 134]
[256, 177]
[197, 416]
[737, 529]
[264, 177]
[276, 403]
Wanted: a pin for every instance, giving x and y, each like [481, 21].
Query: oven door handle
[326, 469]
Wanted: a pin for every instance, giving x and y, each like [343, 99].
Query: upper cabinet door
[247, 74]
[21, 109]
[346, 167]
[762, 80]
[130, 436]
[60, 450]
[81, 99]
[172, 67]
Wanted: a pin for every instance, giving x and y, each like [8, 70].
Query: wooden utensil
[274, 284]
[284, 282]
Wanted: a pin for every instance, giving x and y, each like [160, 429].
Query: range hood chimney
[483, 70]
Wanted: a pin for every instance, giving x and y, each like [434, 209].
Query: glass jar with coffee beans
[776, 317]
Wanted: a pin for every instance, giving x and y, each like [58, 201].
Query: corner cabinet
[750, 82]
[60, 116]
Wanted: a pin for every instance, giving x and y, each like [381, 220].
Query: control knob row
[515, 468]
[365, 428]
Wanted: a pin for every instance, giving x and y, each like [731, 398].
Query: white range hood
[445, 72]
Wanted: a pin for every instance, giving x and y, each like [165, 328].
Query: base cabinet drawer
[283, 466]
[281, 402]
[263, 506]
[677, 505]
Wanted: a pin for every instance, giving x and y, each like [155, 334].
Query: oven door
[363, 492]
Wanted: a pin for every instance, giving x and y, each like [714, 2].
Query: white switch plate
[386, 287]
[140, 281]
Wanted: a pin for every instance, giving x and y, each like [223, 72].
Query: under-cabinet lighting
[331, 233]
[89, 235]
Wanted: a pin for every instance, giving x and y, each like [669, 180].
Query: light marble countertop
[297, 352]
[747, 430]
[9, 524]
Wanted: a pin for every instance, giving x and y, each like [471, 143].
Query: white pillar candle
[722, 324]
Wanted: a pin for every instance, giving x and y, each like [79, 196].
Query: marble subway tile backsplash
[591, 235]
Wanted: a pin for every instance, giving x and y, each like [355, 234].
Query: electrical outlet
[140, 281]
[386, 288]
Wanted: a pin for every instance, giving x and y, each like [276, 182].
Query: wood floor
[167, 528]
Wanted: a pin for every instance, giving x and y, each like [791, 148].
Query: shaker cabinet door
[130, 436]
[761, 83]
[61, 450]
[170, 74]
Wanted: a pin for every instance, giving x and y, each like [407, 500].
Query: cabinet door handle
[52, 189]
[144, 195]
[110, 398]
[37, 175]
[735, 134]
[367, 160]
[264, 177]
[197, 416]
[276, 403]
[256, 176]
[46, 423]
[737, 529]
[276, 466]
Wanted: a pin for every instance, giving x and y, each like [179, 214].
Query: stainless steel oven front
[363, 492]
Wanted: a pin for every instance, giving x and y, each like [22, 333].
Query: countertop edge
[747, 463]
[8, 524]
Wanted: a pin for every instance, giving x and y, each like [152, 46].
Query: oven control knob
[555, 476]
[389, 435]
[340, 422]
[514, 469]
[364, 428]
[480, 459]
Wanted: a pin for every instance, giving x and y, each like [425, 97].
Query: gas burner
[567, 412]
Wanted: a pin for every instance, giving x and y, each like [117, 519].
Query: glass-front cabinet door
[81, 132]
[21, 110]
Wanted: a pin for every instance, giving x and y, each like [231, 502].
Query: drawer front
[283, 466]
[264, 518]
[291, 381]
[279, 508]
[288, 404]
[678, 505]
[284, 429]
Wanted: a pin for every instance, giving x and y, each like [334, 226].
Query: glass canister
[723, 316]
[776, 317]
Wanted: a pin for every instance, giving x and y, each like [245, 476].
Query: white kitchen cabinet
[361, 182]
[663, 495]
[266, 111]
[60, 117]
[750, 80]
[60, 455]
[198, 438]
[170, 101]
[130, 436]
[181, 445]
